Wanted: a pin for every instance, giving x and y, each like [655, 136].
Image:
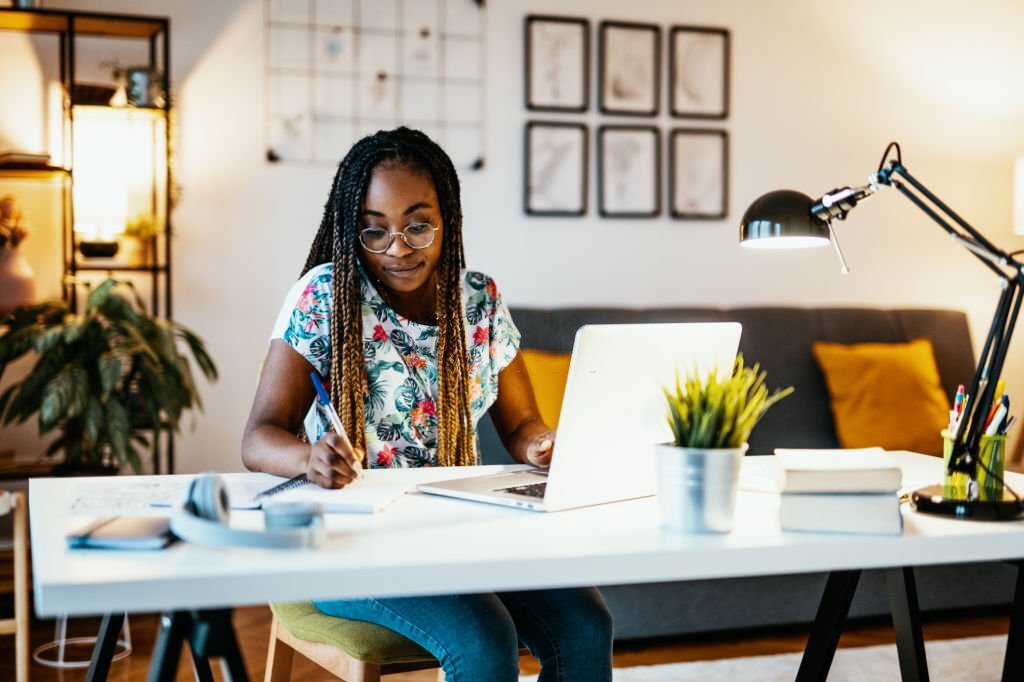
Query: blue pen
[332, 414]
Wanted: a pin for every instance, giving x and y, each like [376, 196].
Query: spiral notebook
[367, 495]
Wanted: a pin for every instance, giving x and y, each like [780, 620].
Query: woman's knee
[482, 651]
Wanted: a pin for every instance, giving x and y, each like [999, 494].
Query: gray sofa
[780, 339]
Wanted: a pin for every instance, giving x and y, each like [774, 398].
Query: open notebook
[367, 495]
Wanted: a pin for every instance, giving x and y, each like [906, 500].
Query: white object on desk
[371, 492]
[861, 470]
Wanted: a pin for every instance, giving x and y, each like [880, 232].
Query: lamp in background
[101, 211]
[788, 219]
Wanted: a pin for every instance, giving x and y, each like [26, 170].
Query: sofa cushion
[885, 394]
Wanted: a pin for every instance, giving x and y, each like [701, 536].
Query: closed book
[123, 532]
[863, 470]
[867, 513]
[14, 158]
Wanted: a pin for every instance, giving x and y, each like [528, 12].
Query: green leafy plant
[110, 378]
[716, 411]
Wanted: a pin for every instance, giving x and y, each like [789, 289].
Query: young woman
[416, 350]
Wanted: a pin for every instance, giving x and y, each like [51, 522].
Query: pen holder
[990, 485]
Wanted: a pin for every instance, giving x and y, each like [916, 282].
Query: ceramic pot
[17, 283]
[697, 487]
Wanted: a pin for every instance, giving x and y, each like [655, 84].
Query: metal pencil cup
[990, 477]
[697, 488]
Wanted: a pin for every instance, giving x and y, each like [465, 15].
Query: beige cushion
[364, 641]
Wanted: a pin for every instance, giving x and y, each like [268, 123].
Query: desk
[461, 547]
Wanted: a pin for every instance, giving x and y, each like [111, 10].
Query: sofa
[780, 339]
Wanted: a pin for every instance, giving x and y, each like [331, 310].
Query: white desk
[453, 546]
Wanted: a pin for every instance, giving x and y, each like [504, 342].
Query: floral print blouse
[400, 355]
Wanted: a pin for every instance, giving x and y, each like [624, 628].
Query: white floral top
[400, 379]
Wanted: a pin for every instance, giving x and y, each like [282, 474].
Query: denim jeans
[476, 636]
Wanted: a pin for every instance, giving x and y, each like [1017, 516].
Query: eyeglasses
[378, 240]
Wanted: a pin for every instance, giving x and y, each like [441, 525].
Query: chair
[353, 650]
[18, 625]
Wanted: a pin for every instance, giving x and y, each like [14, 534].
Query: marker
[958, 401]
[992, 428]
[332, 414]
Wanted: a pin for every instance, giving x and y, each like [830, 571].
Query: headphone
[204, 517]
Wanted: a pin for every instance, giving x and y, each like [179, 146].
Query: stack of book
[839, 491]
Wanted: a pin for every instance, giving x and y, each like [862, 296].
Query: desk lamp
[789, 219]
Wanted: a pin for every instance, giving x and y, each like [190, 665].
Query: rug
[973, 659]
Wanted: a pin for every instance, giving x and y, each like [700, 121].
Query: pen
[332, 414]
[993, 425]
[958, 401]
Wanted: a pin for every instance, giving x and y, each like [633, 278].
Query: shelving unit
[68, 26]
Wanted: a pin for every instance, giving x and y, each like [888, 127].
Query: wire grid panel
[336, 70]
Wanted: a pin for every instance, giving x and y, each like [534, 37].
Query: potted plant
[711, 417]
[110, 378]
[138, 237]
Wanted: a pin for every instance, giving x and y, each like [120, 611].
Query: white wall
[818, 89]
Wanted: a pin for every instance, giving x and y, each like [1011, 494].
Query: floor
[253, 625]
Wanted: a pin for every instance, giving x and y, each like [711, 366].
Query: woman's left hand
[540, 449]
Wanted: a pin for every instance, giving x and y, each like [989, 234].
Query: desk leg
[906, 620]
[167, 651]
[106, 643]
[210, 634]
[828, 625]
[1013, 664]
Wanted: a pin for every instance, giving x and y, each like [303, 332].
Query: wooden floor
[253, 625]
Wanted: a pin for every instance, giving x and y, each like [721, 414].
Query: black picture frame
[629, 75]
[559, 64]
[698, 173]
[549, 161]
[698, 72]
[622, 182]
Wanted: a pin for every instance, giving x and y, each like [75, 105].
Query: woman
[416, 350]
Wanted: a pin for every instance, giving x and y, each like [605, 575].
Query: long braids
[337, 242]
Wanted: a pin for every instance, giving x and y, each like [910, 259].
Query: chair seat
[363, 641]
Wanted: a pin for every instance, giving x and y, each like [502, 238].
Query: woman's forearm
[273, 450]
[523, 435]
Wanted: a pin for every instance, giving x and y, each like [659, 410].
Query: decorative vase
[17, 283]
[697, 487]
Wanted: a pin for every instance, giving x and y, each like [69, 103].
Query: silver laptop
[612, 412]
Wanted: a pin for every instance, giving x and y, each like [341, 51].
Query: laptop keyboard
[531, 490]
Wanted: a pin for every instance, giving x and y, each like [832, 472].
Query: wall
[818, 89]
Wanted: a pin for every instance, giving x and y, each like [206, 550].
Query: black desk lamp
[788, 219]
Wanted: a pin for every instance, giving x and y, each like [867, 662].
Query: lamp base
[929, 500]
[97, 249]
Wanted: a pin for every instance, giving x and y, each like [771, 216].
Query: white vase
[17, 283]
[697, 487]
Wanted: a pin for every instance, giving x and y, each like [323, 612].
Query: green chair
[352, 650]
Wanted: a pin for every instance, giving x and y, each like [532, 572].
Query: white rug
[975, 659]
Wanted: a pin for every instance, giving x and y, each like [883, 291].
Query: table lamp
[789, 219]
[100, 210]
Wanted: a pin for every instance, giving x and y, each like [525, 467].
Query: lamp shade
[782, 220]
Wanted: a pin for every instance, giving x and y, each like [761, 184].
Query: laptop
[613, 411]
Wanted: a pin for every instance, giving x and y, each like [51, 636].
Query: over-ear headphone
[204, 517]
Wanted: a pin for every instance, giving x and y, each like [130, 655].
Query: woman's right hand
[333, 462]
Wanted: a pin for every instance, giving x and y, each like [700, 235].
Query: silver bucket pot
[697, 488]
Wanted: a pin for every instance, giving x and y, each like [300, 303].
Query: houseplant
[711, 416]
[110, 378]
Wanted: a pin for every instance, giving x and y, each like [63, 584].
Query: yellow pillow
[548, 373]
[885, 394]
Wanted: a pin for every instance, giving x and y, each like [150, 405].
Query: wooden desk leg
[106, 644]
[1013, 664]
[828, 625]
[906, 619]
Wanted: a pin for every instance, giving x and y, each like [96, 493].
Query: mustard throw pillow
[548, 373]
[885, 394]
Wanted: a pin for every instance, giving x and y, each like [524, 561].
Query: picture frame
[629, 171]
[698, 172]
[556, 159]
[629, 73]
[698, 66]
[557, 63]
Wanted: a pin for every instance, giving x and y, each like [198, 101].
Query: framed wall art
[629, 73]
[698, 66]
[556, 162]
[698, 171]
[629, 171]
[557, 63]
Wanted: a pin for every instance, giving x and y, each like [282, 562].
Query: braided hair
[337, 242]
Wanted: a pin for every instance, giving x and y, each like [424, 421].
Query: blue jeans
[476, 636]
